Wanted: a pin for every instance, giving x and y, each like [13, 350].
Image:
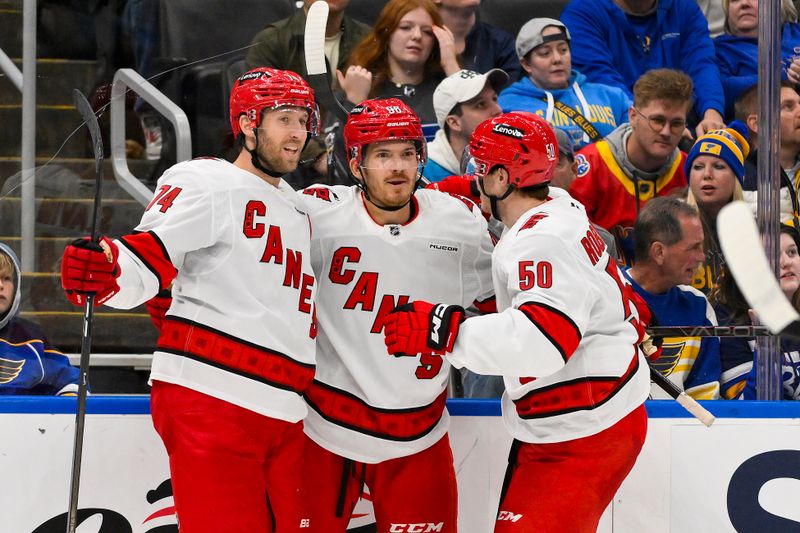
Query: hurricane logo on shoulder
[508, 131]
[583, 165]
[252, 76]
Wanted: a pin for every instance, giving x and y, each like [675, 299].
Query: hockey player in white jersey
[376, 420]
[565, 338]
[236, 349]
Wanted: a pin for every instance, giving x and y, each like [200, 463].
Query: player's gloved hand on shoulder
[90, 267]
[650, 346]
[422, 328]
[158, 306]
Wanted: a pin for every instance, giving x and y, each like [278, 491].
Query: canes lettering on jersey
[274, 253]
[365, 289]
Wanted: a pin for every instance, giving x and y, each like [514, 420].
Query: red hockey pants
[233, 470]
[413, 493]
[564, 487]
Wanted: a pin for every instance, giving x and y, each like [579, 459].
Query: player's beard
[382, 195]
[274, 157]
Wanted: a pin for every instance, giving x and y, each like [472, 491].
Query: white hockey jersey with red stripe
[240, 326]
[562, 337]
[365, 404]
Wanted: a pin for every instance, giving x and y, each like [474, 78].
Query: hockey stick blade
[686, 401]
[741, 246]
[316, 67]
[90, 119]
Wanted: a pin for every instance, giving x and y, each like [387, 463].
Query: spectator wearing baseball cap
[461, 102]
[555, 91]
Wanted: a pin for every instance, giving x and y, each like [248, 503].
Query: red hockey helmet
[382, 119]
[523, 143]
[269, 88]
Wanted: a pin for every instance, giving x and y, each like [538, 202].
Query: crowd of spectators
[650, 99]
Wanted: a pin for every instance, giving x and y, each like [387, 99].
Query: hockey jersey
[612, 198]
[562, 337]
[240, 325]
[364, 404]
[790, 372]
[29, 364]
[692, 363]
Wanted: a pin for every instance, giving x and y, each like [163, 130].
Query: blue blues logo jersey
[29, 364]
[692, 363]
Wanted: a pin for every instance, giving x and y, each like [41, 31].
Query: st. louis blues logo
[583, 165]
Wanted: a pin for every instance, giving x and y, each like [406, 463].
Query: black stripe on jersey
[377, 409]
[620, 385]
[549, 337]
[198, 325]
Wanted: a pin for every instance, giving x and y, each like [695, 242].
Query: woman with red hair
[407, 53]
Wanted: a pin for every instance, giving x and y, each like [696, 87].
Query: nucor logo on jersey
[443, 247]
[509, 131]
[416, 528]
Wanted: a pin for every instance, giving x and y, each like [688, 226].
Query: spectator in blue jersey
[461, 102]
[789, 263]
[616, 41]
[479, 46]
[668, 249]
[29, 364]
[737, 48]
[555, 91]
[746, 109]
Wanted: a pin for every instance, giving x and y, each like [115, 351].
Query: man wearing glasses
[639, 160]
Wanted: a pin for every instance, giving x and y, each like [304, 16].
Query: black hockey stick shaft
[708, 331]
[680, 396]
[90, 120]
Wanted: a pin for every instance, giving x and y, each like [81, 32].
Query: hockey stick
[90, 120]
[741, 246]
[708, 331]
[686, 401]
[317, 76]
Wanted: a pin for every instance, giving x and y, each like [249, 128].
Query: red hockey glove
[651, 346]
[158, 306]
[422, 328]
[461, 185]
[90, 267]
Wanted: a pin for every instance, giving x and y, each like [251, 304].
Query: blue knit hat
[727, 144]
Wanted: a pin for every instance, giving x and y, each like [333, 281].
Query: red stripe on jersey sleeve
[559, 329]
[207, 345]
[347, 410]
[152, 252]
[577, 395]
[489, 305]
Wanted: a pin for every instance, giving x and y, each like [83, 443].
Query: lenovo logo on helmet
[508, 131]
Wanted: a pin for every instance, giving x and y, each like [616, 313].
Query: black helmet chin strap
[257, 161]
[493, 199]
[362, 184]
